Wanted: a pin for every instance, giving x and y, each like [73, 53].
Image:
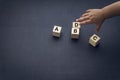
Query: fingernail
[76, 19]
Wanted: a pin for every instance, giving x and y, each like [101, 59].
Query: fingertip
[96, 30]
[77, 19]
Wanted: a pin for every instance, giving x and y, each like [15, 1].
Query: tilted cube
[94, 40]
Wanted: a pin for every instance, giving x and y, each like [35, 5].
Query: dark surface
[29, 52]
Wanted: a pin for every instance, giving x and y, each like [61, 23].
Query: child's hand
[92, 16]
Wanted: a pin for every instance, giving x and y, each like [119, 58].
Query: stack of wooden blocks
[75, 33]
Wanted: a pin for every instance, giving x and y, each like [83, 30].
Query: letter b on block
[75, 33]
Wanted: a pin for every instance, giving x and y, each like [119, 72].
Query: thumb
[98, 26]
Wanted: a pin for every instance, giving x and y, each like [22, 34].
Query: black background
[29, 52]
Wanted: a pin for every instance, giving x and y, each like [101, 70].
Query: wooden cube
[76, 25]
[75, 33]
[57, 31]
[94, 40]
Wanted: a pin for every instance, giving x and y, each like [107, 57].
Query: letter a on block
[57, 31]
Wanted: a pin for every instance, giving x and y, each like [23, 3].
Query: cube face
[76, 25]
[57, 31]
[75, 33]
[94, 40]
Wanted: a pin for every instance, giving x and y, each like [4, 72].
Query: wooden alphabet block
[94, 40]
[57, 31]
[75, 33]
[76, 25]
